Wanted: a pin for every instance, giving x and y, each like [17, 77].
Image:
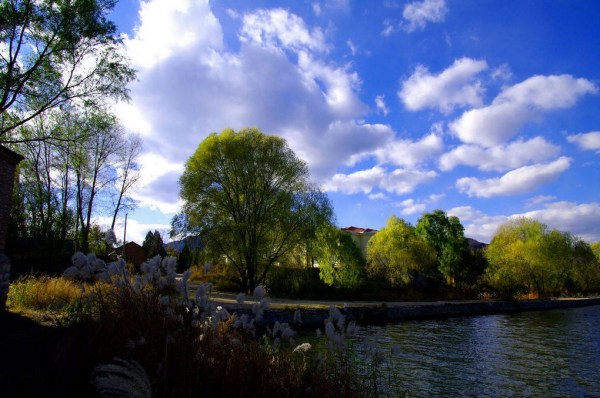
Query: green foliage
[57, 53]
[153, 245]
[250, 198]
[446, 235]
[525, 255]
[398, 253]
[596, 249]
[341, 263]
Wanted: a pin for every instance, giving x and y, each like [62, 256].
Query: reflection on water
[531, 354]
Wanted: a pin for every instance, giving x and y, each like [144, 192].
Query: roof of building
[357, 230]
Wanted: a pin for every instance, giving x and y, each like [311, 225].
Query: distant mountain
[193, 242]
[474, 244]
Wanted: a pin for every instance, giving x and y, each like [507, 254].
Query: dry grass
[43, 293]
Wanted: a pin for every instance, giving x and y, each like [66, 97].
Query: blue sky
[484, 109]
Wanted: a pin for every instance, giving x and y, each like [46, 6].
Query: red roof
[356, 230]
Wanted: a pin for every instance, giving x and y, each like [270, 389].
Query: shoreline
[377, 313]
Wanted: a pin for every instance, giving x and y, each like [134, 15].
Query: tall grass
[144, 333]
[43, 293]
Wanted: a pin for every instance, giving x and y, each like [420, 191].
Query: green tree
[251, 200]
[398, 253]
[341, 262]
[55, 53]
[525, 255]
[596, 250]
[153, 245]
[446, 235]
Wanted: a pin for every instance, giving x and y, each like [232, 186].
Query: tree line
[249, 198]
[61, 69]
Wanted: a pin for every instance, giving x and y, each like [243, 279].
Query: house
[360, 236]
[134, 253]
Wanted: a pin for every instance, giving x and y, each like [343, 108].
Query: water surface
[531, 354]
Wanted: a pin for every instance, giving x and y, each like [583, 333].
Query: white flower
[259, 292]
[304, 347]
[79, 260]
[72, 273]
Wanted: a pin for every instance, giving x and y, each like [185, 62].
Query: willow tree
[250, 199]
[526, 255]
[398, 253]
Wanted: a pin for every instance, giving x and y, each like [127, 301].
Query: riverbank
[313, 314]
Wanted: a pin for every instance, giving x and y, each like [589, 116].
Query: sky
[486, 110]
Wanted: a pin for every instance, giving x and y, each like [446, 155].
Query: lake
[531, 354]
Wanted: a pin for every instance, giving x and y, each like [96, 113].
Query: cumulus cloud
[516, 105]
[409, 207]
[478, 225]
[521, 180]
[455, 86]
[398, 181]
[280, 29]
[197, 86]
[158, 185]
[419, 13]
[410, 153]
[169, 26]
[588, 141]
[580, 219]
[501, 157]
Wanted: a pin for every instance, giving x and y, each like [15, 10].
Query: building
[134, 253]
[360, 236]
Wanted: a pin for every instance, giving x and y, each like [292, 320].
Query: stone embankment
[393, 312]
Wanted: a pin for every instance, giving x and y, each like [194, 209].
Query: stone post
[8, 165]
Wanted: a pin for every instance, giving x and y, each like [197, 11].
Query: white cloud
[399, 181]
[378, 196]
[455, 86]
[381, 106]
[521, 180]
[588, 141]
[579, 219]
[539, 199]
[418, 13]
[409, 206]
[171, 26]
[353, 48]
[409, 153]
[478, 225]
[582, 220]
[158, 186]
[136, 230]
[436, 197]
[340, 143]
[501, 157]
[516, 105]
[187, 92]
[278, 28]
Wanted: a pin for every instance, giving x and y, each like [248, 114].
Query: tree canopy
[446, 235]
[526, 255]
[251, 200]
[341, 262]
[398, 253]
[54, 53]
